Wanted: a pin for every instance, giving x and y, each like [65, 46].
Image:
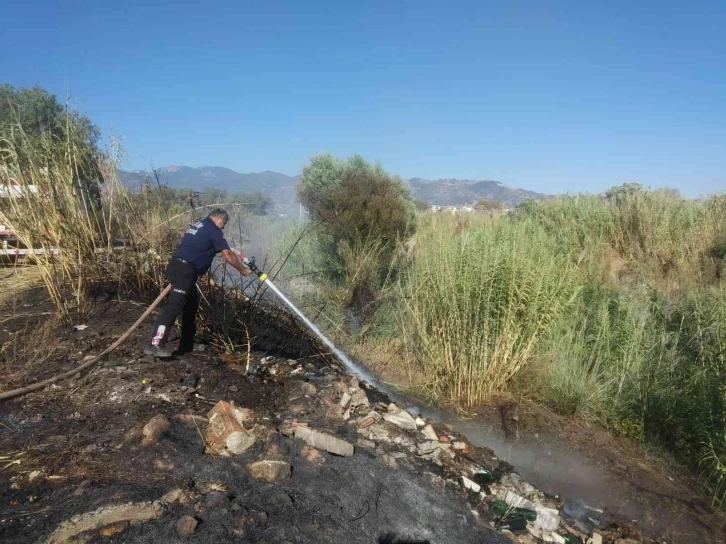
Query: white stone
[468, 484]
[424, 448]
[324, 441]
[420, 422]
[428, 432]
[543, 535]
[459, 446]
[547, 518]
[403, 420]
[344, 400]
[359, 398]
[393, 409]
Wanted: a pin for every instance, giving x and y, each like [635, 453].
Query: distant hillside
[452, 192]
[280, 186]
[442, 192]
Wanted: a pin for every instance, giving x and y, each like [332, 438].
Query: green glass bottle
[499, 508]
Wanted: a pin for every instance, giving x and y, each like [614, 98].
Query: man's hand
[232, 258]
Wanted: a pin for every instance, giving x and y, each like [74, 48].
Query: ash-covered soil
[79, 446]
[126, 453]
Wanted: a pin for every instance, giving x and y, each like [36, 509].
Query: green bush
[364, 214]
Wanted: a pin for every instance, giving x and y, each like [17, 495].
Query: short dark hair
[219, 212]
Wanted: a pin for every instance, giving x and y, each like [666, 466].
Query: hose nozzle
[250, 263]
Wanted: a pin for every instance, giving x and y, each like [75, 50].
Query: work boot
[157, 351]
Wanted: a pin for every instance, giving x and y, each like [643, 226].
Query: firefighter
[192, 259]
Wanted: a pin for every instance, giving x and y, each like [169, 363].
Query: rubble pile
[333, 414]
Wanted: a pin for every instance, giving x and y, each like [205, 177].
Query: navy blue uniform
[201, 242]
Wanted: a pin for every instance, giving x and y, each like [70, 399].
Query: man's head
[219, 217]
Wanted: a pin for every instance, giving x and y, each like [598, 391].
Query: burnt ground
[75, 447]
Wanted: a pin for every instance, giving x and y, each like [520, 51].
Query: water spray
[351, 366]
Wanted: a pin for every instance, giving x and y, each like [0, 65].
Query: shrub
[364, 213]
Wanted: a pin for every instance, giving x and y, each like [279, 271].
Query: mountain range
[441, 192]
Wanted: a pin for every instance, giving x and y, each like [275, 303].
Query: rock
[346, 415]
[324, 441]
[425, 448]
[270, 471]
[175, 496]
[345, 399]
[313, 455]
[428, 432]
[336, 413]
[155, 428]
[402, 419]
[101, 517]
[366, 444]
[186, 526]
[420, 422]
[470, 485]
[309, 389]
[354, 384]
[240, 523]
[113, 530]
[36, 475]
[393, 409]
[547, 518]
[359, 398]
[225, 433]
[287, 428]
[595, 539]
[459, 445]
[389, 460]
[216, 500]
[377, 432]
[520, 485]
[190, 380]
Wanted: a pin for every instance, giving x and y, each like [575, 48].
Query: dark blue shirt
[200, 244]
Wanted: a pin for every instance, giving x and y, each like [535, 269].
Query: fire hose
[6, 395]
[88, 364]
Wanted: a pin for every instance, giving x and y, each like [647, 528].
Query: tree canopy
[36, 117]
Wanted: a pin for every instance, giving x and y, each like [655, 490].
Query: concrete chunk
[428, 432]
[225, 433]
[156, 427]
[402, 419]
[547, 518]
[359, 398]
[107, 515]
[468, 484]
[270, 471]
[323, 441]
[186, 526]
[424, 448]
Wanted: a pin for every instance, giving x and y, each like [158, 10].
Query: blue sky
[548, 96]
